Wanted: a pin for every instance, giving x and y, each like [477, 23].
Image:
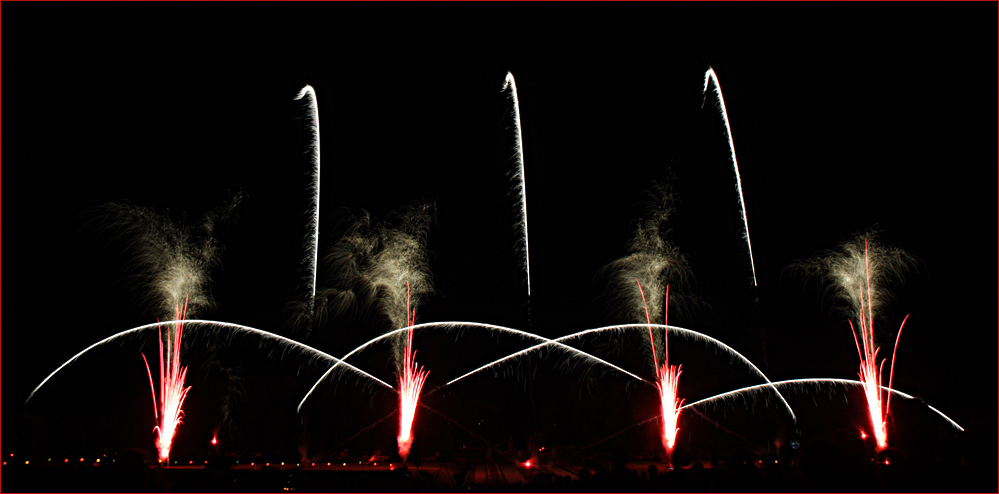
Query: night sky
[844, 117]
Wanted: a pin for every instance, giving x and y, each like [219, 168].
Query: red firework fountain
[172, 390]
[410, 384]
[870, 371]
[667, 380]
[669, 377]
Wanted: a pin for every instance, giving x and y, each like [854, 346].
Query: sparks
[711, 76]
[859, 277]
[172, 390]
[522, 184]
[312, 241]
[455, 325]
[410, 384]
[669, 378]
[667, 381]
[800, 383]
[238, 328]
[870, 371]
[560, 343]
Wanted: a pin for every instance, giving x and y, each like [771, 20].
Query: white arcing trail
[236, 327]
[801, 383]
[457, 325]
[711, 76]
[676, 330]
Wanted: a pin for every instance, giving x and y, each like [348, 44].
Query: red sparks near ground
[667, 380]
[669, 377]
[870, 371]
[172, 390]
[410, 384]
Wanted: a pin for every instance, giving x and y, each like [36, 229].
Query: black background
[844, 117]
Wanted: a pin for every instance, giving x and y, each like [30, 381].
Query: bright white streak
[313, 240]
[267, 335]
[451, 325]
[509, 82]
[678, 330]
[710, 75]
[792, 382]
[942, 415]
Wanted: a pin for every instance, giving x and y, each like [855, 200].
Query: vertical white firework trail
[708, 76]
[522, 185]
[312, 242]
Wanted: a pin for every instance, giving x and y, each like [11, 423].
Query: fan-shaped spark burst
[870, 371]
[312, 240]
[410, 384]
[171, 258]
[859, 273]
[174, 260]
[711, 76]
[669, 378]
[655, 260]
[667, 381]
[373, 263]
[172, 390]
[858, 263]
[521, 185]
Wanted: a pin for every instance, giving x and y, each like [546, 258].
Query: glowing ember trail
[172, 390]
[410, 384]
[711, 76]
[667, 381]
[312, 242]
[522, 184]
[870, 371]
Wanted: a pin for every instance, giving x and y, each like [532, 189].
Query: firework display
[711, 77]
[374, 260]
[859, 272]
[287, 335]
[518, 175]
[172, 390]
